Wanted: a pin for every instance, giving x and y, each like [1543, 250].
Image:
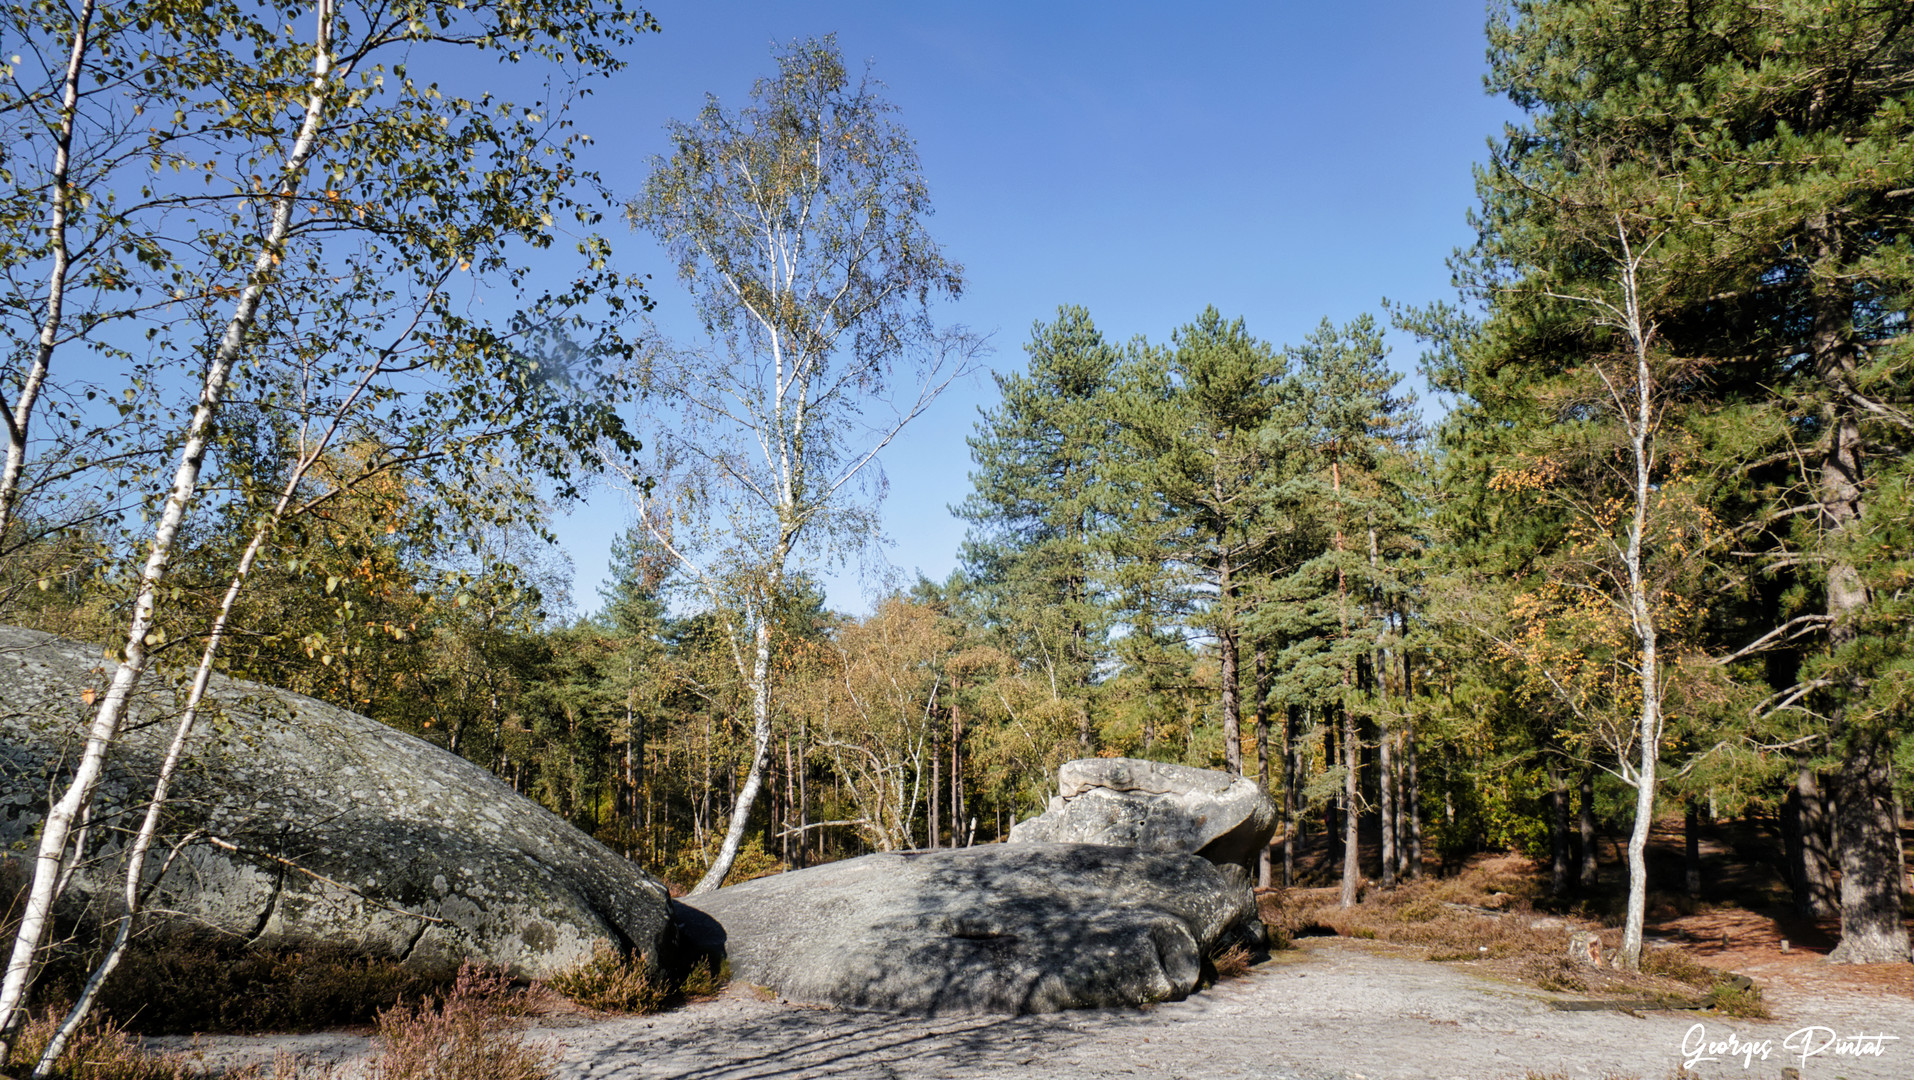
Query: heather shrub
[466, 1035]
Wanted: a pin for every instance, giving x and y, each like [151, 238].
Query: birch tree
[1600, 632]
[301, 265]
[798, 225]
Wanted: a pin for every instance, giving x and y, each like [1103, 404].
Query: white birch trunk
[104, 730]
[20, 416]
[1641, 614]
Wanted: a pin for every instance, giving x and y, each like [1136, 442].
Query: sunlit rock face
[1156, 807]
[308, 823]
[1005, 928]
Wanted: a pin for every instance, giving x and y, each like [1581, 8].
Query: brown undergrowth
[1486, 917]
[470, 1032]
[179, 984]
[613, 982]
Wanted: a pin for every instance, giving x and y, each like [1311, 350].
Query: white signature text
[1815, 1040]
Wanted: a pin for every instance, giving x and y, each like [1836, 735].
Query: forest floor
[1458, 976]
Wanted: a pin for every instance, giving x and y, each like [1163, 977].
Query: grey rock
[1001, 928]
[318, 825]
[1157, 807]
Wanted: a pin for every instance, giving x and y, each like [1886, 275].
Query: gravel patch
[1331, 1010]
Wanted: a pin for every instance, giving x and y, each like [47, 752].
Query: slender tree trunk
[1638, 861]
[956, 761]
[135, 876]
[1588, 873]
[1262, 750]
[804, 845]
[1805, 836]
[759, 681]
[1332, 808]
[1557, 829]
[1414, 773]
[1292, 773]
[1227, 648]
[36, 913]
[1900, 848]
[1351, 745]
[1386, 796]
[1648, 726]
[1691, 848]
[1352, 799]
[19, 415]
[790, 804]
[936, 791]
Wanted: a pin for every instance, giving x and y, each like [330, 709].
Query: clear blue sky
[1282, 161]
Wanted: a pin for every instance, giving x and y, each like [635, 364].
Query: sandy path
[1333, 1009]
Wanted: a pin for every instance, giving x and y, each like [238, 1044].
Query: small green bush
[611, 982]
[1737, 997]
[702, 982]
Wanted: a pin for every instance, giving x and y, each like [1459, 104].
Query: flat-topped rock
[320, 825]
[1000, 928]
[1156, 807]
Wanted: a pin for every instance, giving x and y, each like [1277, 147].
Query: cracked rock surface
[318, 825]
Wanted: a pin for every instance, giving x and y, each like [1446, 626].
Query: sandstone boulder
[320, 825]
[1000, 928]
[1156, 807]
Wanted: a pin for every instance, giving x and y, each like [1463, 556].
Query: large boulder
[1000, 928]
[319, 825]
[1157, 807]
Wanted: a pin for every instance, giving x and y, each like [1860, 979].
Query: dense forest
[1653, 558]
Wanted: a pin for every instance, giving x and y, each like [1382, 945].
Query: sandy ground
[1334, 1008]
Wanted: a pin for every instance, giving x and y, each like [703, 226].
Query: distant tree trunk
[804, 799]
[936, 791]
[1557, 829]
[1413, 772]
[1292, 772]
[1227, 647]
[956, 760]
[1588, 873]
[1691, 847]
[1900, 849]
[1386, 797]
[1332, 808]
[789, 805]
[1262, 749]
[1352, 802]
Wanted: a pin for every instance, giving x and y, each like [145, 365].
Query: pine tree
[1334, 608]
[1037, 507]
[1205, 437]
[1774, 143]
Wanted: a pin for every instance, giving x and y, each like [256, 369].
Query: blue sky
[1282, 161]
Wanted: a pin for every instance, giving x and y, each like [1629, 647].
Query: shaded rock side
[1156, 807]
[319, 825]
[1001, 928]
